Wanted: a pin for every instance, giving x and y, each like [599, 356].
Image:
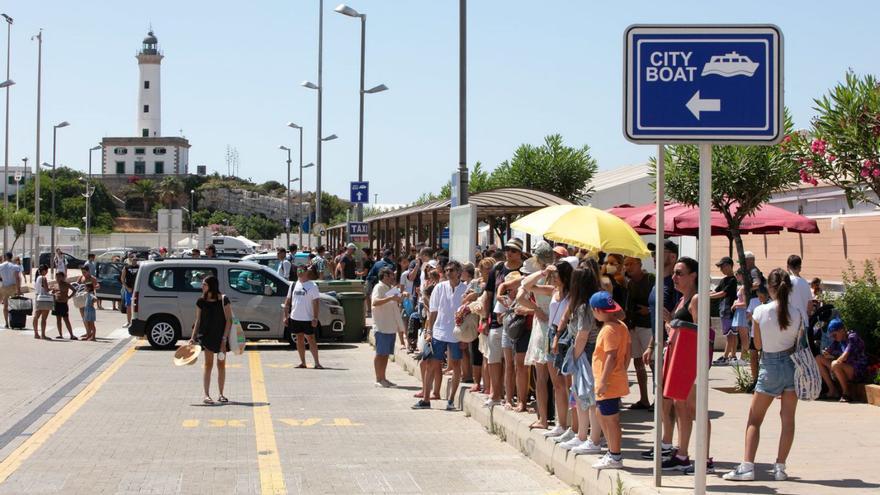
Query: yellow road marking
[280, 365]
[300, 422]
[42, 435]
[271, 476]
[343, 422]
[190, 423]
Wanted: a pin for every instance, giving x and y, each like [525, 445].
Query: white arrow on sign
[359, 194]
[697, 105]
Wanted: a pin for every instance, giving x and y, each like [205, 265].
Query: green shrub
[859, 305]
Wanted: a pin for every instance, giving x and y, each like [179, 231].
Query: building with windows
[149, 153]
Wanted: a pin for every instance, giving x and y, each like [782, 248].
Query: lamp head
[331, 137]
[62, 124]
[376, 89]
[293, 126]
[346, 10]
[294, 180]
[7, 83]
[308, 84]
[95, 148]
[8, 19]
[309, 165]
[282, 147]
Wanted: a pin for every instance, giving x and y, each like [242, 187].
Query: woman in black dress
[213, 321]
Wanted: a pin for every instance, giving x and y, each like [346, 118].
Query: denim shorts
[439, 348]
[384, 343]
[609, 407]
[776, 373]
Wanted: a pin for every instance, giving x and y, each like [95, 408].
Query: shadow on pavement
[231, 403]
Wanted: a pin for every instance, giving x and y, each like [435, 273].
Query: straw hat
[187, 354]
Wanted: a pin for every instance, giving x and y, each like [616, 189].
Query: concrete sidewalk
[834, 450]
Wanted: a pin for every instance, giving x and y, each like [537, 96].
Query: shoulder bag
[807, 381]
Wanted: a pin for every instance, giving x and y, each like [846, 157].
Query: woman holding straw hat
[213, 322]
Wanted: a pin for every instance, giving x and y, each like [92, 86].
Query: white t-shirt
[754, 303]
[8, 272]
[445, 301]
[801, 295]
[406, 283]
[284, 269]
[301, 295]
[557, 308]
[386, 317]
[772, 338]
[60, 264]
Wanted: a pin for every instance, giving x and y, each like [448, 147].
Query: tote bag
[807, 381]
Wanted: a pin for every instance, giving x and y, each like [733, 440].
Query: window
[193, 277]
[146, 108]
[139, 151]
[120, 151]
[11, 180]
[140, 168]
[253, 282]
[159, 151]
[162, 279]
[160, 167]
[146, 84]
[107, 271]
[145, 133]
[120, 167]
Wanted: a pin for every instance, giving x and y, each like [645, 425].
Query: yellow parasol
[584, 227]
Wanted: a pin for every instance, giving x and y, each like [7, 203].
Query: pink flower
[876, 173]
[787, 138]
[809, 163]
[830, 157]
[865, 172]
[818, 146]
[814, 182]
[867, 163]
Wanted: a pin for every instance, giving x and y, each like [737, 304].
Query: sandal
[318, 367]
[537, 425]
[208, 401]
[302, 366]
[637, 406]
[222, 399]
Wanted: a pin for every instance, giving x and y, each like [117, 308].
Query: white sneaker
[386, 383]
[742, 473]
[587, 447]
[379, 385]
[568, 435]
[491, 403]
[555, 432]
[779, 473]
[571, 444]
[126, 325]
[608, 462]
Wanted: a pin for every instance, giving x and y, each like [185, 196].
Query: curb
[514, 429]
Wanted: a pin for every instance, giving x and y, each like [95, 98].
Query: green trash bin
[340, 286]
[355, 322]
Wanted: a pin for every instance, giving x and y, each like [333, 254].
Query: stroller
[818, 332]
[413, 318]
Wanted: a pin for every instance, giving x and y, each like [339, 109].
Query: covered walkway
[423, 224]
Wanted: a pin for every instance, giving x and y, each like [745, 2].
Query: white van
[166, 291]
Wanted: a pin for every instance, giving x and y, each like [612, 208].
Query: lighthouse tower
[149, 111]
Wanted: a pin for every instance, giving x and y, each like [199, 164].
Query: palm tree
[145, 190]
[170, 190]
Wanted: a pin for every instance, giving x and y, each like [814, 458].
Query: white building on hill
[149, 153]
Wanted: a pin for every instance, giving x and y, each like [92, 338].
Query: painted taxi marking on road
[300, 422]
[42, 435]
[343, 422]
[280, 365]
[271, 476]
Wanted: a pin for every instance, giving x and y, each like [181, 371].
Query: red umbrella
[680, 219]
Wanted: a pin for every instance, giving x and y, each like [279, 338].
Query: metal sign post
[659, 322]
[704, 85]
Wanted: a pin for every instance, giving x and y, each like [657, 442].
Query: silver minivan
[166, 291]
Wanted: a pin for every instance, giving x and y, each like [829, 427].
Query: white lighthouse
[149, 111]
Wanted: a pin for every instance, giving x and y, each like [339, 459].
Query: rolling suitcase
[19, 309]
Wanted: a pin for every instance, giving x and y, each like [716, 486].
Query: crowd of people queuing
[559, 328]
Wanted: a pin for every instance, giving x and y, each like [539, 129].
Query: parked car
[141, 253]
[266, 259]
[109, 285]
[166, 292]
[71, 261]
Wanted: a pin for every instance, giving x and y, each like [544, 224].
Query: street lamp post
[301, 167]
[54, 185]
[319, 87]
[90, 190]
[192, 205]
[350, 12]
[18, 176]
[287, 219]
[35, 232]
[6, 84]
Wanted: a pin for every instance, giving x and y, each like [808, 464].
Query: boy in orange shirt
[609, 369]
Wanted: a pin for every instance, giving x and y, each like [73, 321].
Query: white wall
[149, 157]
[152, 97]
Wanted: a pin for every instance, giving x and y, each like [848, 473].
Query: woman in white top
[776, 326]
[559, 275]
[43, 302]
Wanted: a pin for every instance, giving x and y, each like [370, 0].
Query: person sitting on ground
[843, 363]
[610, 359]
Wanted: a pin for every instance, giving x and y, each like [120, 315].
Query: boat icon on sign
[730, 65]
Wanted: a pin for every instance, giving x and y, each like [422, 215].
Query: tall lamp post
[35, 232]
[54, 148]
[192, 205]
[90, 190]
[6, 84]
[18, 176]
[287, 219]
[301, 167]
[319, 87]
[350, 12]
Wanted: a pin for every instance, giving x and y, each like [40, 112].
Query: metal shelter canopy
[496, 203]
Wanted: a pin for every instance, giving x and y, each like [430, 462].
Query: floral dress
[537, 352]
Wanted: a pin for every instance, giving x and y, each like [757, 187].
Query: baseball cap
[668, 245]
[749, 254]
[602, 301]
[543, 252]
[835, 325]
[351, 246]
[727, 260]
[561, 251]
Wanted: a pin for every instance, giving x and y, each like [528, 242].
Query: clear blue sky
[232, 71]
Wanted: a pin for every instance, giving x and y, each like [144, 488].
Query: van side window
[192, 278]
[162, 279]
[252, 282]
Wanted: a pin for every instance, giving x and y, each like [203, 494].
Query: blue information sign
[360, 192]
[702, 84]
[356, 229]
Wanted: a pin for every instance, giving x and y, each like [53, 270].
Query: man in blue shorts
[386, 322]
[445, 301]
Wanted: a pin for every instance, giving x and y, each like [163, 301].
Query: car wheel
[162, 332]
[290, 337]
